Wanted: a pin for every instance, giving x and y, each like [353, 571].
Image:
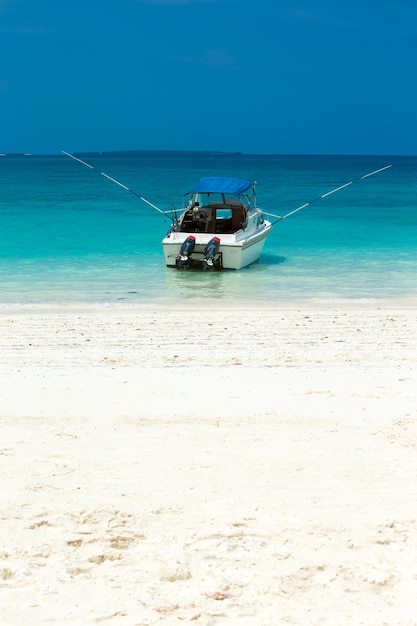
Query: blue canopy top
[217, 184]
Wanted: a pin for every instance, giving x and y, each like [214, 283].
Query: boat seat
[224, 226]
[238, 217]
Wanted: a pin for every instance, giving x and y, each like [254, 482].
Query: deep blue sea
[69, 235]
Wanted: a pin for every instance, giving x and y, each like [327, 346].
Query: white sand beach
[209, 466]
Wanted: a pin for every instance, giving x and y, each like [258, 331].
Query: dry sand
[208, 467]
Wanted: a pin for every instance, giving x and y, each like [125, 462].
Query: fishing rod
[328, 193]
[116, 181]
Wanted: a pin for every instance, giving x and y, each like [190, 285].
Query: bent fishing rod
[324, 195]
[113, 180]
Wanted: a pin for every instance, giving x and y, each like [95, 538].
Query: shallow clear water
[69, 235]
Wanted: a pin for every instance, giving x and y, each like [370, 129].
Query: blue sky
[252, 76]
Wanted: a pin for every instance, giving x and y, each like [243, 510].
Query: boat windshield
[220, 201]
[217, 213]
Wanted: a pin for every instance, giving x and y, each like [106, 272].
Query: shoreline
[213, 304]
[208, 465]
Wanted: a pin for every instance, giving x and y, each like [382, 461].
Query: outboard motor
[186, 250]
[210, 252]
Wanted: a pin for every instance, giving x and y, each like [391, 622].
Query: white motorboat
[220, 227]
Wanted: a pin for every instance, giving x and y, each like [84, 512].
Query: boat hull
[234, 252]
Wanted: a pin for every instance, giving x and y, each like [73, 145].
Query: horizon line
[201, 152]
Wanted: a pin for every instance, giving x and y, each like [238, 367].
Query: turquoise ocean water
[69, 235]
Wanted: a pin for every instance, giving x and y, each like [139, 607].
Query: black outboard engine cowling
[186, 250]
[210, 252]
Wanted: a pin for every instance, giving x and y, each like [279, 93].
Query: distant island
[130, 153]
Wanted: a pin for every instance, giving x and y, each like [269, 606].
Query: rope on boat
[328, 193]
[279, 217]
[116, 181]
